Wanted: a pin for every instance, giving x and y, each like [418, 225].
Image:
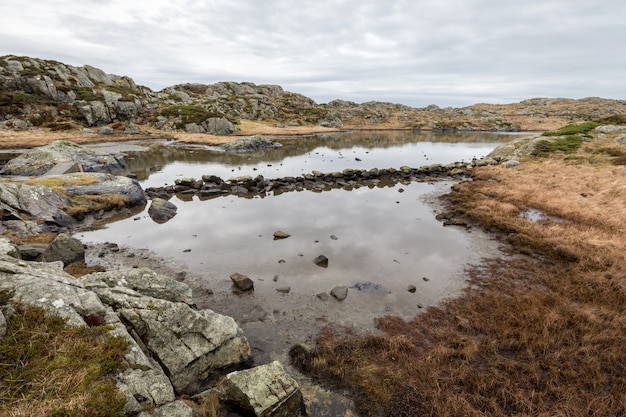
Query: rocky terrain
[36, 93]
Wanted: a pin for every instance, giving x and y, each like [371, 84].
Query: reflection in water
[325, 153]
[385, 235]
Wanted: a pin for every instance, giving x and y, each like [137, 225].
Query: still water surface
[386, 235]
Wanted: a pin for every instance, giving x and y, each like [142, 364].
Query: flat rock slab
[264, 391]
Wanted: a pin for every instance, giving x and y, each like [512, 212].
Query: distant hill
[43, 93]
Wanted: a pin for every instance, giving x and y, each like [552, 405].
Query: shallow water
[385, 237]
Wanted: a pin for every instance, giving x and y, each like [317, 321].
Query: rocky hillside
[50, 94]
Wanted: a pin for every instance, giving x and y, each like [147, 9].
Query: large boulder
[77, 184]
[74, 157]
[20, 202]
[64, 248]
[264, 391]
[194, 347]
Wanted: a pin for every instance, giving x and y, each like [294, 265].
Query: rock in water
[340, 293]
[321, 261]
[161, 210]
[279, 234]
[242, 282]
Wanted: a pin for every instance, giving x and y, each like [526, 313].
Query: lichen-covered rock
[264, 391]
[47, 285]
[64, 248]
[142, 282]
[192, 346]
[35, 202]
[39, 161]
[102, 184]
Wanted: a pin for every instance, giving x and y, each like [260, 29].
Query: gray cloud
[447, 52]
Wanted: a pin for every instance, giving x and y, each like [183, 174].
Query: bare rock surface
[40, 160]
[264, 391]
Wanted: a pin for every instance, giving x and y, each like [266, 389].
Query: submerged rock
[321, 261]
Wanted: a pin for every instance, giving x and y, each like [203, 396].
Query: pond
[379, 240]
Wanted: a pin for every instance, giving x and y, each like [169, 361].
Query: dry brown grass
[538, 335]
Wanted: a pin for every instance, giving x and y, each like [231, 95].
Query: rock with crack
[41, 160]
[192, 346]
[264, 391]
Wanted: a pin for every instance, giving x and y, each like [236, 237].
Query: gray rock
[339, 293]
[621, 139]
[161, 210]
[192, 346]
[264, 391]
[8, 248]
[175, 409]
[323, 296]
[40, 160]
[608, 129]
[144, 389]
[511, 163]
[36, 202]
[218, 126]
[31, 252]
[46, 285]
[242, 282]
[102, 184]
[138, 282]
[64, 248]
[106, 130]
[321, 261]
[249, 144]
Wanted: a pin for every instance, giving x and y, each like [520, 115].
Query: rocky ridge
[57, 96]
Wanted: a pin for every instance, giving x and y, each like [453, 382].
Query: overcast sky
[415, 52]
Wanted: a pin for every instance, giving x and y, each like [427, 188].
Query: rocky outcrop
[32, 208]
[36, 92]
[67, 156]
[29, 209]
[174, 348]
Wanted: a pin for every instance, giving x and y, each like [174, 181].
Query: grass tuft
[540, 332]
